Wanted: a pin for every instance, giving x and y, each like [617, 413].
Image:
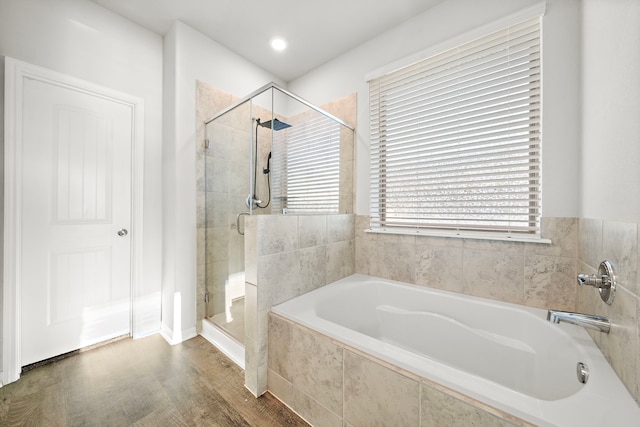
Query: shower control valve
[605, 281]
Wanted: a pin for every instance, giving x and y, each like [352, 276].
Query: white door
[76, 214]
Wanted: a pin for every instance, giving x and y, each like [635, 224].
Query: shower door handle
[238, 222]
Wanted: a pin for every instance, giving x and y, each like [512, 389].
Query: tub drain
[582, 371]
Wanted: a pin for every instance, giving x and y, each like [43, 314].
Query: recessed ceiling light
[278, 43]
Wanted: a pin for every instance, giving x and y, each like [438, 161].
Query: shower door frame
[273, 85]
[209, 312]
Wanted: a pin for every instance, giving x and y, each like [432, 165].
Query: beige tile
[217, 244]
[440, 409]
[340, 228]
[262, 323]
[200, 210]
[312, 230]
[620, 345]
[340, 260]
[590, 241]
[345, 203]
[220, 135]
[344, 108]
[250, 251]
[280, 388]
[238, 183]
[563, 232]
[395, 258]
[278, 278]
[620, 246]
[218, 179]
[218, 207]
[637, 289]
[316, 368]
[438, 266]
[312, 265]
[493, 274]
[366, 255]
[251, 365]
[346, 178]
[550, 282]
[347, 139]
[494, 245]
[280, 346]
[377, 396]
[201, 242]
[250, 311]
[362, 223]
[313, 412]
[262, 383]
[440, 241]
[636, 394]
[277, 233]
[200, 164]
[240, 147]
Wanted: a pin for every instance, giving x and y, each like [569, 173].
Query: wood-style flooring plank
[140, 383]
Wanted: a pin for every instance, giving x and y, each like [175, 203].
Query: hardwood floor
[145, 382]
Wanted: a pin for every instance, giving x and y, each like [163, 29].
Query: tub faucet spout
[589, 321]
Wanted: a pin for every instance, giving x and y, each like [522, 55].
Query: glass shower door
[227, 174]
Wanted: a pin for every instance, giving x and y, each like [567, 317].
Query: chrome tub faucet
[589, 321]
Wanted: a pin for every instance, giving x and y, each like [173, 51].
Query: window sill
[456, 234]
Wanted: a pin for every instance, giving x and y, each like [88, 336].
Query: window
[308, 157]
[455, 138]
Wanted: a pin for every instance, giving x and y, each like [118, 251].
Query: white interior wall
[84, 40]
[190, 56]
[447, 20]
[610, 174]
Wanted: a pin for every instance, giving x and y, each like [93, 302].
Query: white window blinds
[455, 138]
[307, 156]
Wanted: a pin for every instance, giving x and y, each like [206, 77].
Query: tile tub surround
[330, 384]
[287, 256]
[535, 275]
[617, 242]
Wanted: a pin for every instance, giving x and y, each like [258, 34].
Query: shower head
[274, 124]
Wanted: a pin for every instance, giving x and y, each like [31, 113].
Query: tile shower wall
[531, 274]
[617, 242]
[286, 256]
[215, 235]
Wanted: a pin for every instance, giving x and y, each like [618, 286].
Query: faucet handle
[605, 281]
[591, 280]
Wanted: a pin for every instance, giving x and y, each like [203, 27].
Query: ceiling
[316, 30]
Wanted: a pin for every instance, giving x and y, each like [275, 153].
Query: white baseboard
[169, 335]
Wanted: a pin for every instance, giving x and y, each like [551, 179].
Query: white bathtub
[505, 355]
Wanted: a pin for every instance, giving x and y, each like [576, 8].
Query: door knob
[122, 232]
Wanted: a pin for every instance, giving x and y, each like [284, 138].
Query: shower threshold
[223, 341]
[232, 320]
